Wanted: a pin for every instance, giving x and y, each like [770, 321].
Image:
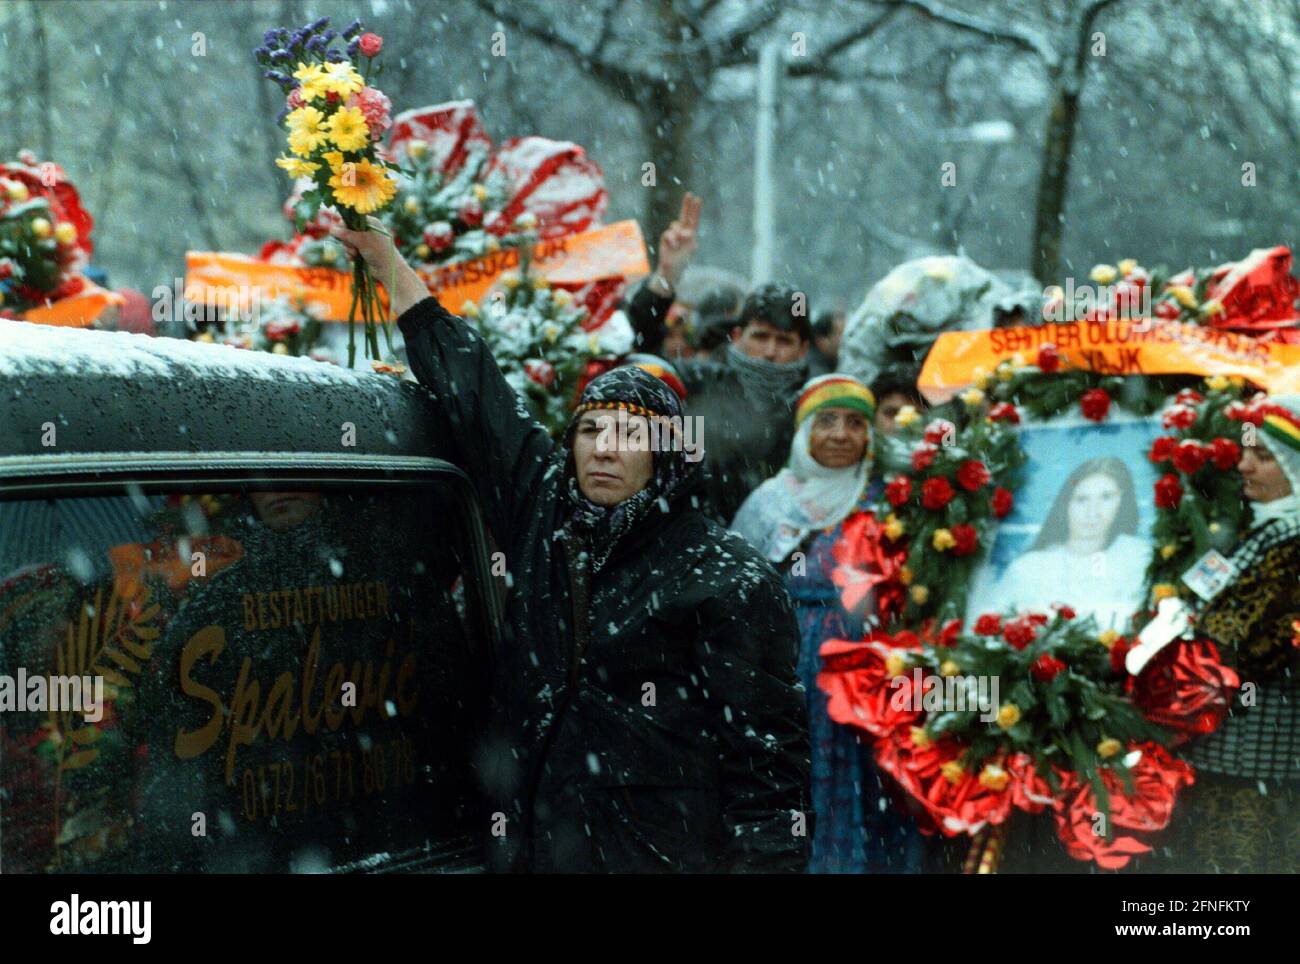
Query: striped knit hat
[834, 390]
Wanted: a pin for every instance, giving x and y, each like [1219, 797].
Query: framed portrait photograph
[1078, 534]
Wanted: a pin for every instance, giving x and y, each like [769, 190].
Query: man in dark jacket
[747, 401]
[648, 713]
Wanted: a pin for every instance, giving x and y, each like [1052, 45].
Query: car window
[270, 680]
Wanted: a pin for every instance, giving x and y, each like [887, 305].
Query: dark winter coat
[648, 717]
[746, 441]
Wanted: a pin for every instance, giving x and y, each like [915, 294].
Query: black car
[247, 616]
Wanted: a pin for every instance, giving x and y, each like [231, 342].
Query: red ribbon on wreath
[865, 559]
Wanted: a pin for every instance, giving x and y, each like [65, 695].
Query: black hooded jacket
[648, 715]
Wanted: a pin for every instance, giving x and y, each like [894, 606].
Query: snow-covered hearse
[247, 617]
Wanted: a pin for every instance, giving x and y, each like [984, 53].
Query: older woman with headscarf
[795, 520]
[1243, 813]
[647, 714]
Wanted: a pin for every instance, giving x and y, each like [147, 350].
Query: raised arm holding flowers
[334, 120]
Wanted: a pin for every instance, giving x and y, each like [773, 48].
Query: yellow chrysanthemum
[949, 668]
[920, 594]
[1127, 266]
[1109, 747]
[311, 81]
[919, 737]
[1216, 383]
[995, 778]
[306, 130]
[1008, 715]
[334, 159]
[893, 527]
[953, 771]
[972, 396]
[1183, 295]
[943, 539]
[905, 575]
[1108, 637]
[895, 664]
[297, 167]
[1103, 274]
[342, 78]
[906, 416]
[363, 186]
[1168, 550]
[347, 129]
[1163, 590]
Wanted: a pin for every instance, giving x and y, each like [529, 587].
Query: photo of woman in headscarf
[1087, 554]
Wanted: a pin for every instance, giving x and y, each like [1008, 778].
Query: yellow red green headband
[834, 391]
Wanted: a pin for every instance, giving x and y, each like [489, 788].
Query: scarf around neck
[804, 496]
[599, 528]
[765, 382]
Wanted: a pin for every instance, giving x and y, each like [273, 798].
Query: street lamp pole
[769, 65]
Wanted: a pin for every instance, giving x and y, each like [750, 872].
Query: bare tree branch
[1022, 37]
[732, 47]
[822, 65]
[624, 82]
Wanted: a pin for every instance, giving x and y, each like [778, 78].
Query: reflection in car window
[286, 681]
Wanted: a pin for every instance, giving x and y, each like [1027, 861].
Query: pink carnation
[375, 105]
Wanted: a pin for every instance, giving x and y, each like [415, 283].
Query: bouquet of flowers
[44, 235]
[1257, 295]
[543, 340]
[335, 120]
[1061, 733]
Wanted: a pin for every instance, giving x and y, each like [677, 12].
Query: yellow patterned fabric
[1228, 827]
[1252, 619]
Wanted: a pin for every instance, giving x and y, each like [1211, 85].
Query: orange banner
[1117, 347]
[75, 311]
[217, 278]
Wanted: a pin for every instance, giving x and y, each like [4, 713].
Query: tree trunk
[44, 106]
[666, 120]
[1053, 180]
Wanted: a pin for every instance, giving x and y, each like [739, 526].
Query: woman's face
[1261, 474]
[839, 437]
[1093, 507]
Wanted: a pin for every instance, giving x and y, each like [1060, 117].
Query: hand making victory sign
[678, 242]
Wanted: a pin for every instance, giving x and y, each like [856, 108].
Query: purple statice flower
[271, 37]
[335, 56]
[353, 47]
[319, 24]
[316, 44]
[329, 35]
[284, 112]
[354, 28]
[262, 53]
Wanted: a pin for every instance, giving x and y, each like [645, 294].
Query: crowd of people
[662, 705]
[659, 709]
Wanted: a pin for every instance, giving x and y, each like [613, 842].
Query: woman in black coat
[648, 713]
